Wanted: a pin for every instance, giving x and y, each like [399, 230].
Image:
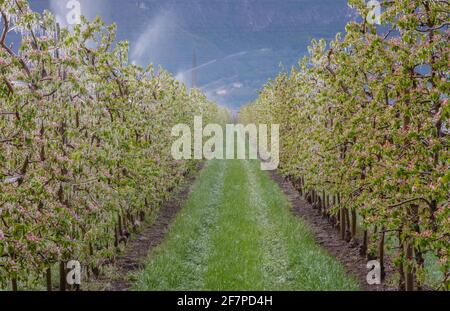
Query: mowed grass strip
[306, 265]
[180, 262]
[235, 262]
[236, 232]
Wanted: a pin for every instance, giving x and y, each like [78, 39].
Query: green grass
[236, 232]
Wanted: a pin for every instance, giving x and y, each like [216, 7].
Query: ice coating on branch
[19, 83]
[12, 179]
[15, 14]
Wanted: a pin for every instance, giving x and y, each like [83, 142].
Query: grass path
[236, 232]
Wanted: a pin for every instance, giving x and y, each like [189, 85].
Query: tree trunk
[343, 224]
[48, 276]
[409, 275]
[381, 253]
[363, 251]
[120, 226]
[324, 206]
[14, 285]
[401, 270]
[353, 231]
[62, 276]
[327, 207]
[116, 236]
[420, 261]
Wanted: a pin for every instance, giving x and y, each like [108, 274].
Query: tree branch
[410, 201]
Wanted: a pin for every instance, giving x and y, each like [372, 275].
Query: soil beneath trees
[136, 252]
[328, 237]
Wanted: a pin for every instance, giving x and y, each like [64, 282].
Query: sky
[238, 44]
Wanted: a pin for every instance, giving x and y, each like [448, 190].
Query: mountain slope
[242, 42]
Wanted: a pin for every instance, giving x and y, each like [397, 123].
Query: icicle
[19, 83]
